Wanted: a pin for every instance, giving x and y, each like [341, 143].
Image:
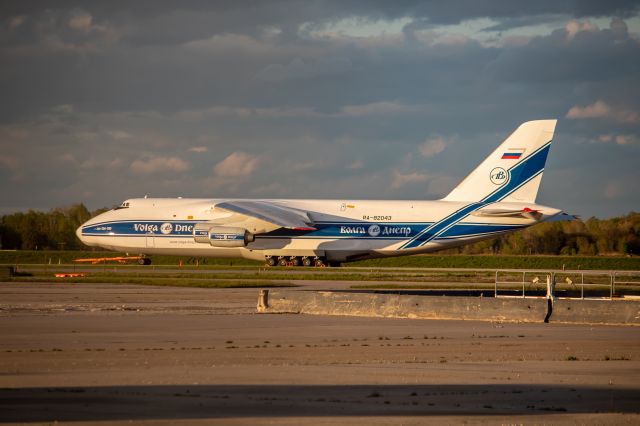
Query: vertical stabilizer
[512, 173]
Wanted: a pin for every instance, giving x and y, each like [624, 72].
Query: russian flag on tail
[513, 154]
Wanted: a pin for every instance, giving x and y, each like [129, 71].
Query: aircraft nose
[79, 233]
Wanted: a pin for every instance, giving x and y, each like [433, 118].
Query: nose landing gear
[144, 261]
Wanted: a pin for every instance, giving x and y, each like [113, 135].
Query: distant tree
[55, 229]
[10, 239]
[619, 236]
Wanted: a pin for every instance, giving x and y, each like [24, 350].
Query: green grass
[274, 274]
[279, 277]
[426, 261]
[172, 282]
[426, 286]
[11, 257]
[590, 290]
[506, 262]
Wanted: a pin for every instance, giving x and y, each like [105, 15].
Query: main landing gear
[306, 261]
[144, 261]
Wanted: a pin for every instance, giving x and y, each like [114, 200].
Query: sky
[108, 100]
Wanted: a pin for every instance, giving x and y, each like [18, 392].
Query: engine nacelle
[221, 236]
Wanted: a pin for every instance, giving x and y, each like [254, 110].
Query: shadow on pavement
[239, 401]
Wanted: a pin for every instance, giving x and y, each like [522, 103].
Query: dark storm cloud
[108, 100]
[163, 21]
[587, 55]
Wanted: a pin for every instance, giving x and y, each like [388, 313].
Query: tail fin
[512, 173]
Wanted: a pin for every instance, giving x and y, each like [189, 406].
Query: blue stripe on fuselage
[333, 230]
[519, 175]
[140, 227]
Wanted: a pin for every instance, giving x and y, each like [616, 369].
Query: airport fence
[567, 284]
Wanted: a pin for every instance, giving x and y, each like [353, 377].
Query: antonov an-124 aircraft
[499, 196]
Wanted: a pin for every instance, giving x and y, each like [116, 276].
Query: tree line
[614, 236]
[52, 230]
[55, 230]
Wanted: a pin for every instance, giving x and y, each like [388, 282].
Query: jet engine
[221, 236]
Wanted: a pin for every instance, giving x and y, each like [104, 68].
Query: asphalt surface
[100, 353]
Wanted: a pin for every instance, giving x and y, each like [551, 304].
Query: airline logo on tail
[498, 175]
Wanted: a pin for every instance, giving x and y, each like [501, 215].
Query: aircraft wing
[281, 216]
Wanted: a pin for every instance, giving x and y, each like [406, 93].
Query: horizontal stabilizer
[526, 213]
[563, 217]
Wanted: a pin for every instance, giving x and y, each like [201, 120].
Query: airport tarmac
[118, 353]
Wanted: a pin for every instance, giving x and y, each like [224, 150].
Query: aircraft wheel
[283, 261]
[307, 261]
[319, 263]
[144, 261]
[295, 261]
[272, 261]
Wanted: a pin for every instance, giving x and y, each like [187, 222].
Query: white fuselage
[344, 229]
[496, 197]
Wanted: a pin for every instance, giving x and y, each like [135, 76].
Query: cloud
[119, 135]
[573, 27]
[596, 110]
[356, 165]
[308, 165]
[62, 109]
[579, 52]
[283, 83]
[402, 179]
[378, 108]
[432, 146]
[441, 185]
[299, 69]
[81, 22]
[237, 164]
[623, 140]
[11, 163]
[613, 190]
[218, 111]
[17, 21]
[56, 30]
[362, 110]
[238, 43]
[600, 109]
[627, 139]
[92, 164]
[159, 165]
[198, 149]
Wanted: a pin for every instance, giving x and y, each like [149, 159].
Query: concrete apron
[506, 309]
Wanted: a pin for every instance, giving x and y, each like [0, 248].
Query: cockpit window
[124, 205]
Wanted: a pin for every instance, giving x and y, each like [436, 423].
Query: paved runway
[115, 353]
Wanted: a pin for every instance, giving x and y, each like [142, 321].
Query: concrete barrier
[506, 309]
[404, 306]
[596, 311]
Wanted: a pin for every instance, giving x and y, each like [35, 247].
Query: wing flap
[263, 210]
